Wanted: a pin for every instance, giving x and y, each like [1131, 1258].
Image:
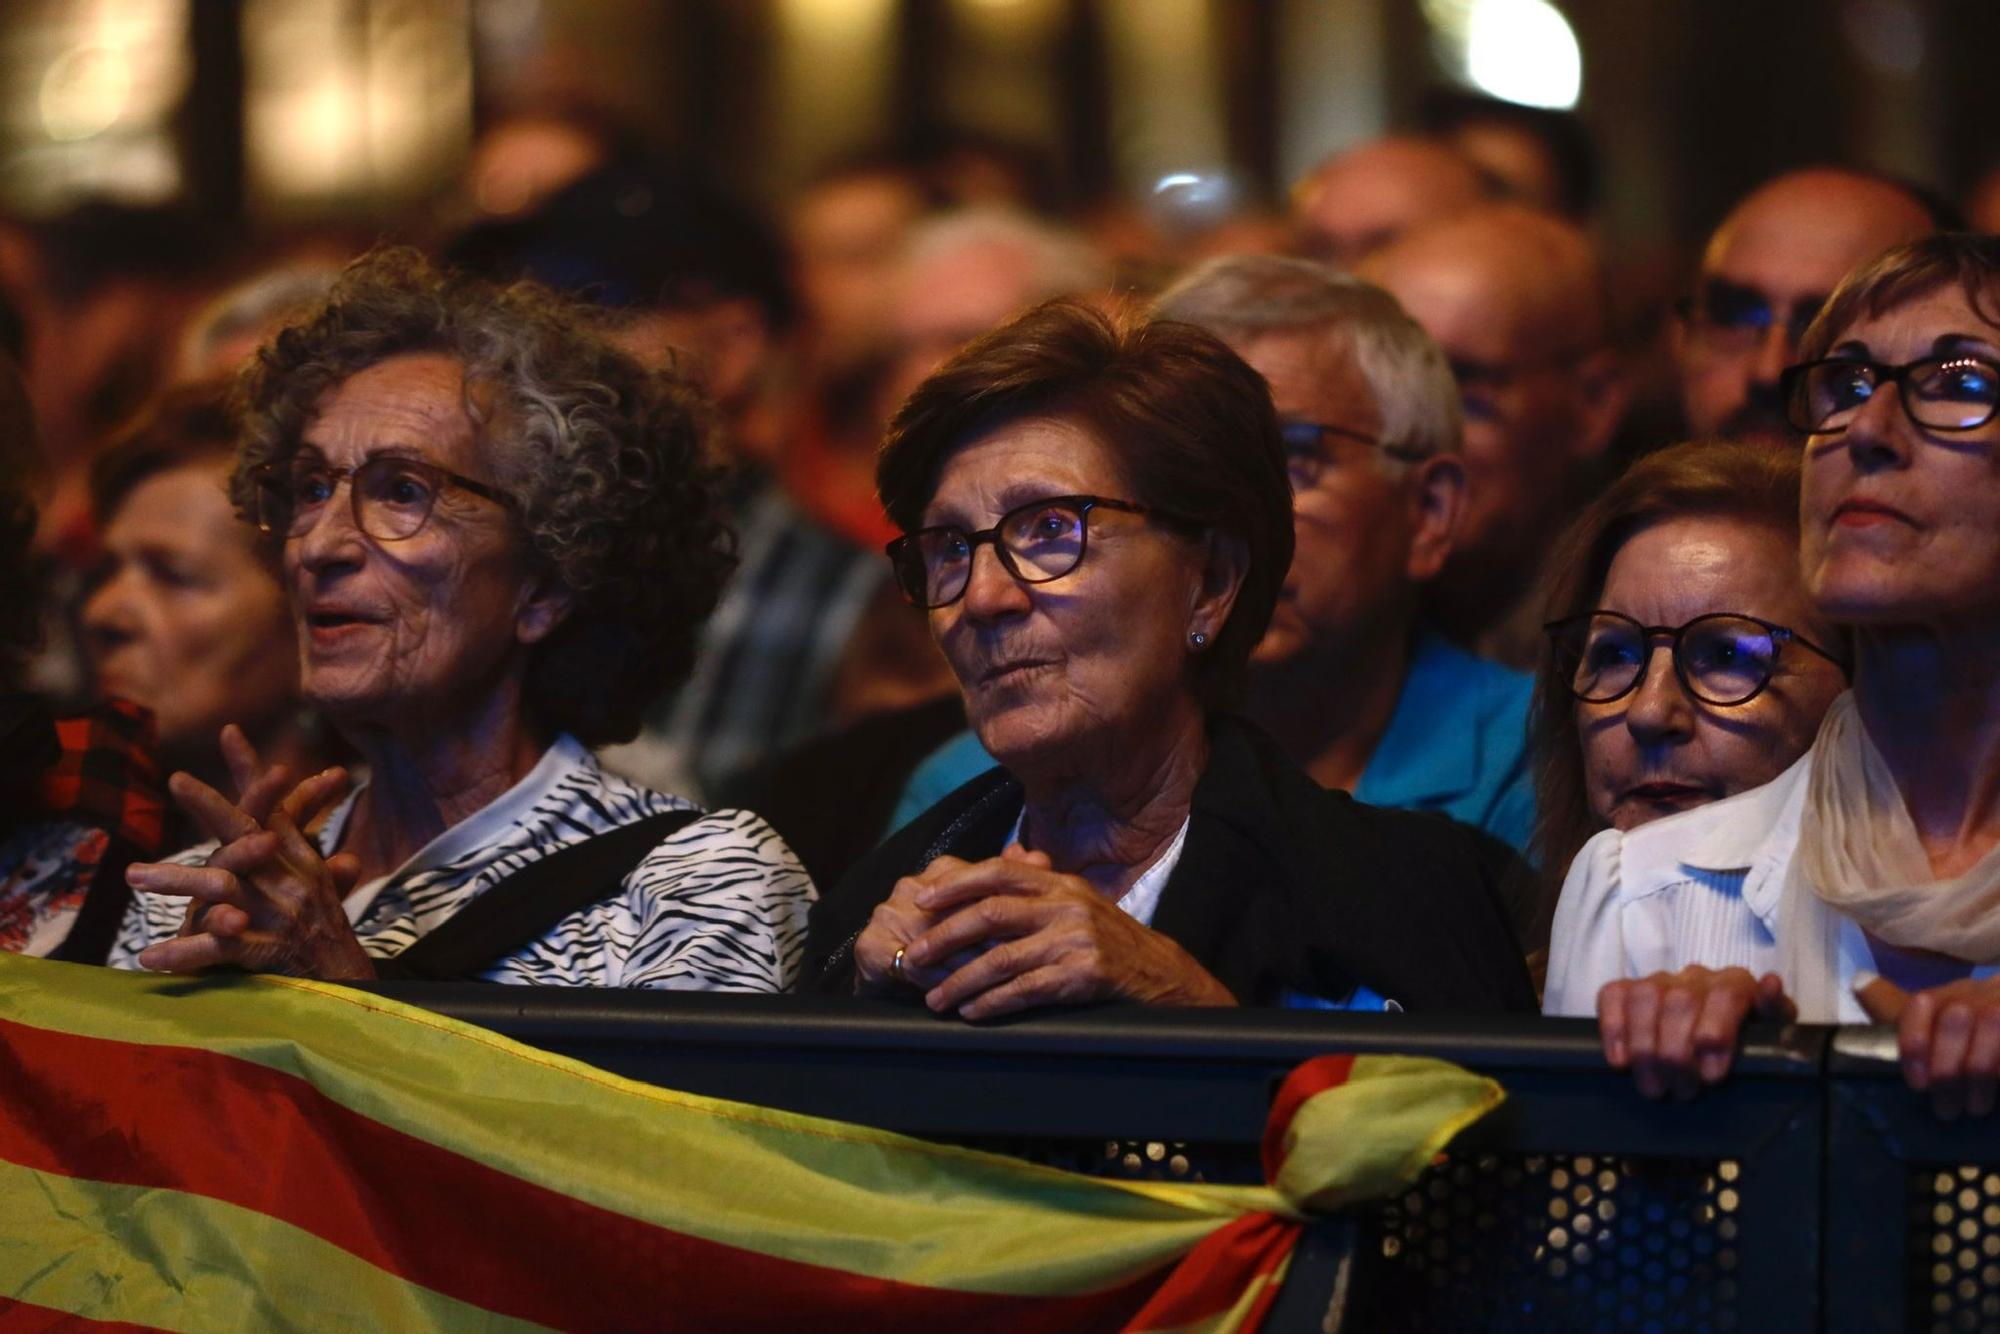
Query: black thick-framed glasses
[1730, 312]
[391, 495]
[1036, 542]
[1723, 658]
[1309, 450]
[1954, 392]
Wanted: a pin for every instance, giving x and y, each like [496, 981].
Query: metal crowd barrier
[1812, 1191]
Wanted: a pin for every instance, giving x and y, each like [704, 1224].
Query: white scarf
[1859, 858]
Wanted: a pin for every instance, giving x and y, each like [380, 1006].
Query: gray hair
[1241, 297]
[1063, 263]
[606, 463]
[257, 306]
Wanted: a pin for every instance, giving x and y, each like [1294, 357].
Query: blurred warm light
[353, 104]
[1518, 50]
[1166, 88]
[87, 97]
[832, 67]
[85, 92]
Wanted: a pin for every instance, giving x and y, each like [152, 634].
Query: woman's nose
[107, 612]
[1660, 711]
[330, 535]
[1879, 433]
[990, 590]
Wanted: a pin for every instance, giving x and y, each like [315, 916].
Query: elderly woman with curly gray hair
[499, 537]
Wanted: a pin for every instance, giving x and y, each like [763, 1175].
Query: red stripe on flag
[1212, 1276]
[212, 1125]
[1312, 1078]
[17, 1317]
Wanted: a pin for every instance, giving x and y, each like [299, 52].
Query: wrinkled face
[1353, 525]
[187, 621]
[1768, 270]
[1065, 674]
[1901, 525]
[1659, 750]
[428, 626]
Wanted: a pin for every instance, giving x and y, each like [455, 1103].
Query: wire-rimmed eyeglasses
[1722, 658]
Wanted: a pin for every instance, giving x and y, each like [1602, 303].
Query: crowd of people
[940, 598]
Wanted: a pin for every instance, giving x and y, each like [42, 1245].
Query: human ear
[1603, 391]
[544, 605]
[1436, 500]
[1222, 575]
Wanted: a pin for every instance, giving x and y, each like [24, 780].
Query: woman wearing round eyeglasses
[1098, 519]
[1685, 665]
[1873, 864]
[499, 538]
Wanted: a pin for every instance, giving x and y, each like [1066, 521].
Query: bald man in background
[1516, 298]
[1764, 275]
[1359, 200]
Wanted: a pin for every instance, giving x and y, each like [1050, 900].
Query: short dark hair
[187, 423]
[608, 461]
[1913, 269]
[1755, 483]
[1190, 423]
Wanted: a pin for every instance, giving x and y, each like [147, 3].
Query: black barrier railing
[1810, 1191]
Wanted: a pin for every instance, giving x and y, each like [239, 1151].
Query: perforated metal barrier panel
[1954, 1250]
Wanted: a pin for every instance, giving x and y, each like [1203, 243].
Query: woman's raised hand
[265, 900]
[1011, 933]
[1677, 1031]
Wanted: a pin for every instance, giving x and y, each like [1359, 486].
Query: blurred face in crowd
[944, 300]
[1360, 200]
[1901, 523]
[1982, 210]
[1069, 673]
[1660, 750]
[1511, 295]
[847, 238]
[1766, 272]
[523, 160]
[187, 619]
[414, 630]
[1368, 529]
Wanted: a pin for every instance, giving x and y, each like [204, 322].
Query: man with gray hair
[1346, 678]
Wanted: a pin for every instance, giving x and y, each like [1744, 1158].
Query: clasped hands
[264, 900]
[1010, 933]
[1677, 1031]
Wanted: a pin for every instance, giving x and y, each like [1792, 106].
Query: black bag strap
[526, 906]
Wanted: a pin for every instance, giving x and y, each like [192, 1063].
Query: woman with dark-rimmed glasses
[498, 536]
[1098, 519]
[1684, 665]
[1873, 864]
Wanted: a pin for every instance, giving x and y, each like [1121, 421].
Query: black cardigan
[1282, 886]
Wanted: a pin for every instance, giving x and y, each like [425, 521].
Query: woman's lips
[1005, 673]
[1663, 791]
[1867, 513]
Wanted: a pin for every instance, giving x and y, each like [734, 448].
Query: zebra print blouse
[720, 905]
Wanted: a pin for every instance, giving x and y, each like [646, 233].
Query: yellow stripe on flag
[90, 1246]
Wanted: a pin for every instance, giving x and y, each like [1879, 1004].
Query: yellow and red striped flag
[193, 1154]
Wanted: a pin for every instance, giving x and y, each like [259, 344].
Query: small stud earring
[1199, 639]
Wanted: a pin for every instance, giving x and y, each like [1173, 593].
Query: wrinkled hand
[1011, 933]
[1948, 1038]
[895, 923]
[1677, 1031]
[265, 900]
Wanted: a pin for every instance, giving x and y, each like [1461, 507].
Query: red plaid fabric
[108, 776]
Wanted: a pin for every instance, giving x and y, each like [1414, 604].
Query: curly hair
[607, 461]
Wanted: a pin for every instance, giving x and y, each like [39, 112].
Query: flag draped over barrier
[188, 1154]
